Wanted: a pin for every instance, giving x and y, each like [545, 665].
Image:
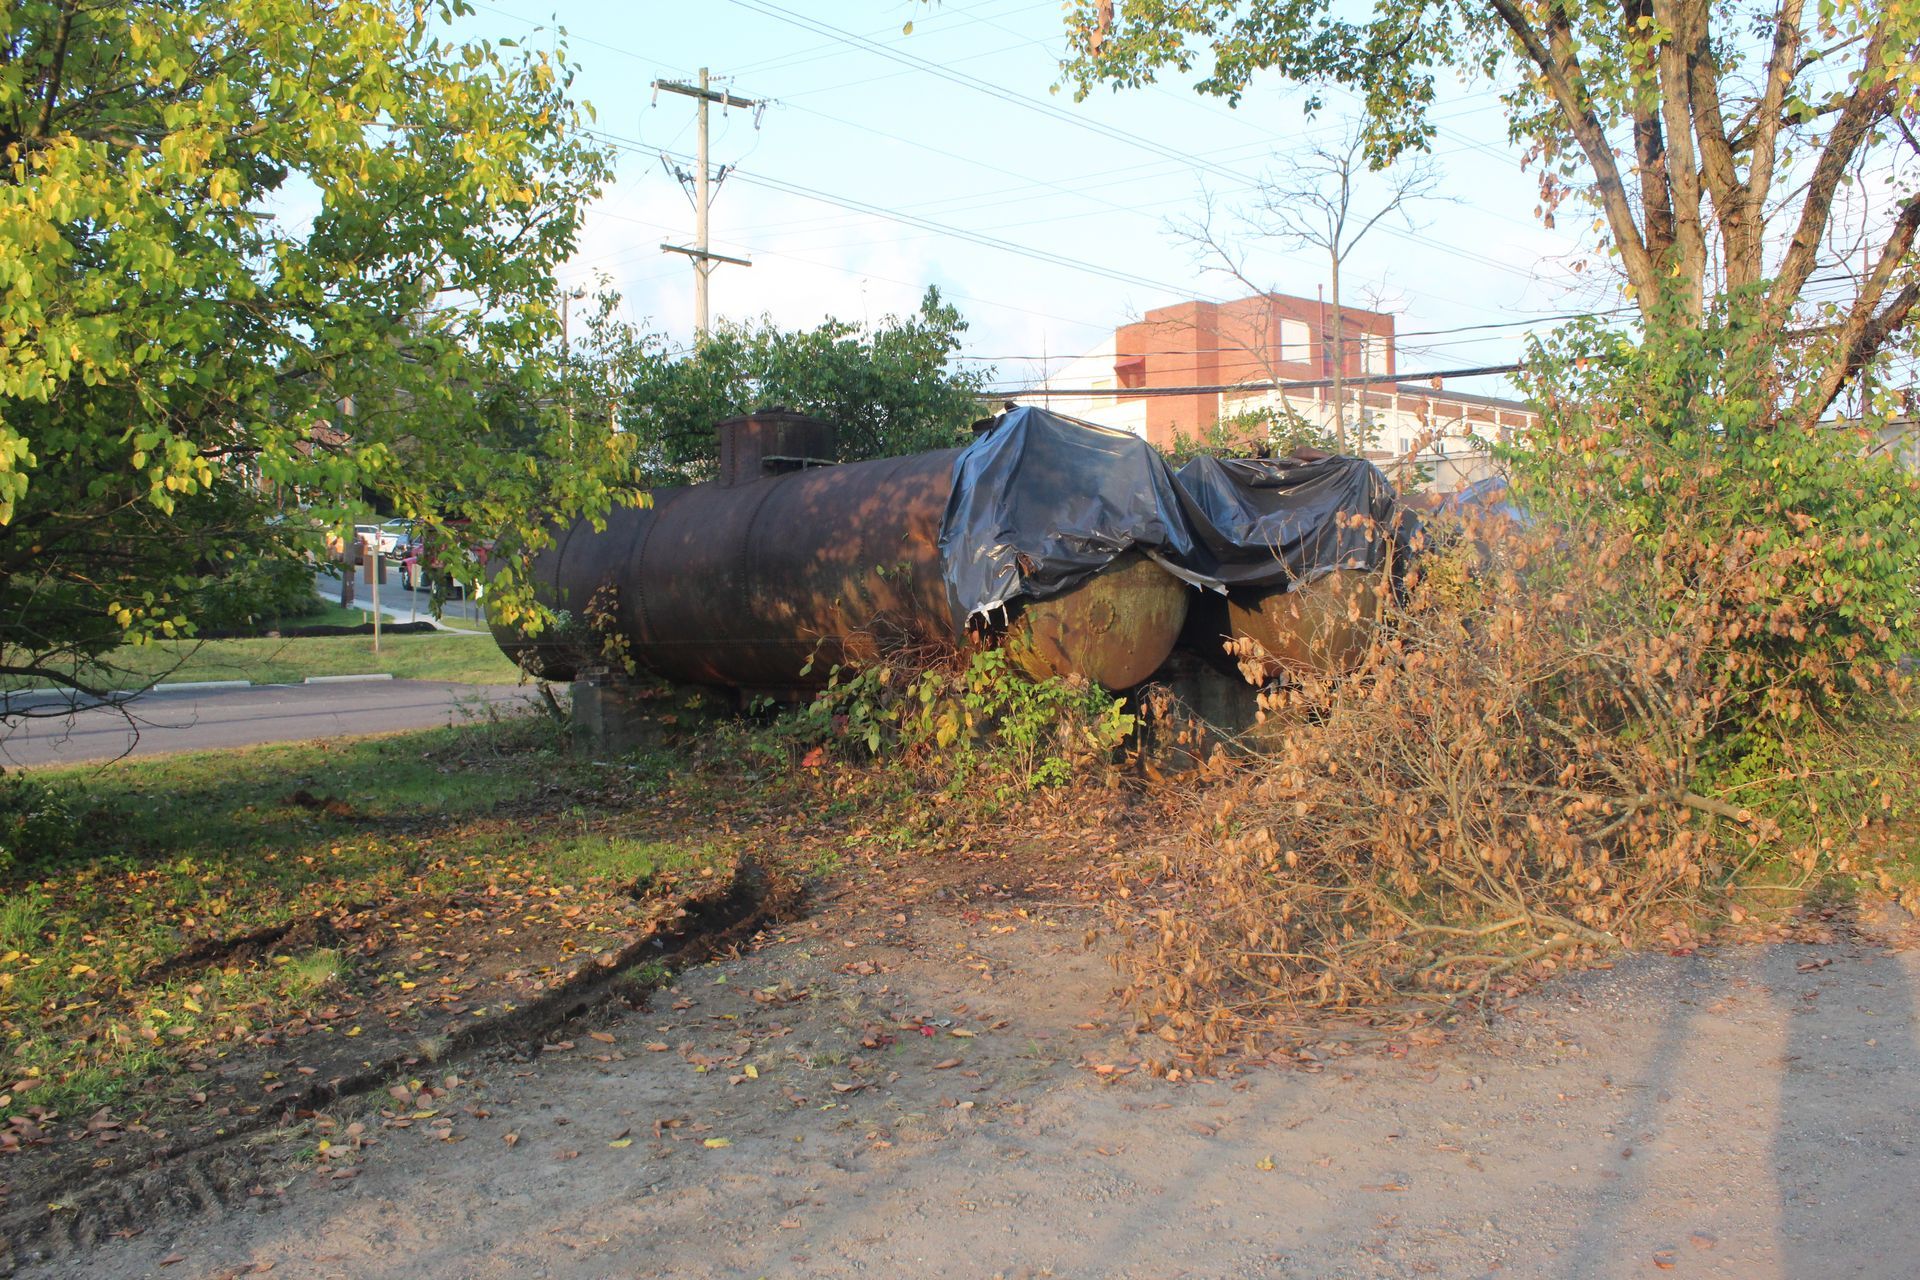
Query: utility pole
[700, 251]
[379, 562]
[567, 300]
[566, 354]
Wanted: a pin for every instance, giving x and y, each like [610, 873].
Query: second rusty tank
[1321, 628]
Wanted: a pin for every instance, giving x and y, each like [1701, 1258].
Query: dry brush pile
[1518, 772]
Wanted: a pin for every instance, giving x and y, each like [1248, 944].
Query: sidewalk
[398, 603]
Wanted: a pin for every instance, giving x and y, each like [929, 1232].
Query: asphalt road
[166, 721]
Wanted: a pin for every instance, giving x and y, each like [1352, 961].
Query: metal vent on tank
[770, 442]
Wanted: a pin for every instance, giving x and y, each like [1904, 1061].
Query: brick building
[1271, 338]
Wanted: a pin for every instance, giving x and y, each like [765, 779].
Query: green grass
[168, 851]
[302, 976]
[463, 624]
[330, 615]
[361, 613]
[22, 918]
[622, 858]
[459, 659]
[154, 856]
[124, 867]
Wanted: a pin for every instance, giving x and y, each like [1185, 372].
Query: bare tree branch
[1318, 202]
[1867, 325]
[1864, 105]
[1560, 68]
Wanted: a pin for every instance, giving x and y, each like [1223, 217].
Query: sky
[886, 160]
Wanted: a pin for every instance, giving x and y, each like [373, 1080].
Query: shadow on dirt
[212, 1157]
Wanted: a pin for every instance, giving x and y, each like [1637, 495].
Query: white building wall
[1094, 371]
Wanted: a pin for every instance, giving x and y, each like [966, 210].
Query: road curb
[72, 695]
[184, 686]
[34, 699]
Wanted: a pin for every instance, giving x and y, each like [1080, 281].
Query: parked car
[381, 536]
[427, 560]
[409, 550]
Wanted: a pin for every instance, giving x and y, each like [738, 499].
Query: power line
[1028, 183]
[992, 242]
[1396, 335]
[1605, 313]
[814, 53]
[928, 224]
[1305, 384]
[938, 228]
[960, 78]
[1180, 158]
[1075, 184]
[1078, 322]
[771, 10]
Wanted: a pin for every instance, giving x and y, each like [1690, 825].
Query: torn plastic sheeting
[1280, 521]
[1040, 503]
[1489, 496]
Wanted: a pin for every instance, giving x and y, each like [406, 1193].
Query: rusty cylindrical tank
[766, 578]
[1108, 629]
[1320, 628]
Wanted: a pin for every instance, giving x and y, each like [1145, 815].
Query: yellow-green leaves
[237, 218]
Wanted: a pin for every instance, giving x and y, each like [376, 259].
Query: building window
[1294, 337]
[1131, 372]
[1373, 352]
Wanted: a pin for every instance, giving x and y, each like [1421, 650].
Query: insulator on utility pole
[701, 251]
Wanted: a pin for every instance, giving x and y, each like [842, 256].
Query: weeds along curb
[211, 1174]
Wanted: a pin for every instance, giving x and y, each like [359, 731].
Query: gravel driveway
[911, 1084]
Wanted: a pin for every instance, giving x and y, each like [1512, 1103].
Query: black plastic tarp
[1263, 521]
[1488, 497]
[1042, 502]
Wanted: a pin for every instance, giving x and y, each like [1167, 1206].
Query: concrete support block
[616, 714]
[1191, 707]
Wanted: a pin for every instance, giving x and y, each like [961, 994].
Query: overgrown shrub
[1277, 431]
[1569, 734]
[1507, 776]
[1791, 548]
[590, 641]
[251, 594]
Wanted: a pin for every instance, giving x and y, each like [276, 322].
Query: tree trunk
[1339, 361]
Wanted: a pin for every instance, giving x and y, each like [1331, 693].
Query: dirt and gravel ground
[925, 1076]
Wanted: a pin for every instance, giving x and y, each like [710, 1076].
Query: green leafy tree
[270, 248]
[891, 388]
[1792, 545]
[1712, 137]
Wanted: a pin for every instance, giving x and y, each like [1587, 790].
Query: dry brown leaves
[1504, 784]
